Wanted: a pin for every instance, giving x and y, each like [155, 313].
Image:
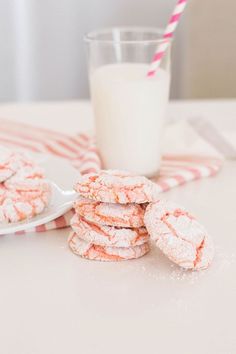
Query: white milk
[129, 110]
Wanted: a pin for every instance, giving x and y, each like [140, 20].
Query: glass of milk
[129, 107]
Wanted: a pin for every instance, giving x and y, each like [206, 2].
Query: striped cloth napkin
[81, 151]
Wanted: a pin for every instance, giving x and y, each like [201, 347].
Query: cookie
[113, 186]
[7, 164]
[105, 253]
[104, 235]
[120, 215]
[25, 192]
[11, 162]
[179, 235]
[29, 178]
[17, 206]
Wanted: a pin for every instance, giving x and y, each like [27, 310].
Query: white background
[42, 56]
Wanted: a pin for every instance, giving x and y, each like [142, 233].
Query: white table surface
[53, 302]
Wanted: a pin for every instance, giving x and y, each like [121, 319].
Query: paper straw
[170, 29]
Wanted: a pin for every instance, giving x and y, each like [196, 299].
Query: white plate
[63, 177]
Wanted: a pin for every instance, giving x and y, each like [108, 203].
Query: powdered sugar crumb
[161, 271]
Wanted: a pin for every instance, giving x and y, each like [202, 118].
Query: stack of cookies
[116, 212]
[108, 224]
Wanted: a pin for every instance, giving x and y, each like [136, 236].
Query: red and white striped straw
[170, 29]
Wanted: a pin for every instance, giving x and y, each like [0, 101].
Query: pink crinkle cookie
[24, 191]
[120, 215]
[8, 164]
[11, 162]
[105, 253]
[108, 235]
[20, 205]
[113, 186]
[29, 178]
[178, 235]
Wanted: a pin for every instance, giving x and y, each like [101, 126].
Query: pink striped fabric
[170, 29]
[81, 151]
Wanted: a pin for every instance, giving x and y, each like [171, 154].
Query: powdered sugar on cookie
[7, 164]
[105, 235]
[179, 235]
[25, 192]
[117, 187]
[105, 253]
[11, 162]
[20, 205]
[26, 179]
[120, 215]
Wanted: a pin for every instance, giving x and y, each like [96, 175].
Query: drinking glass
[129, 107]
